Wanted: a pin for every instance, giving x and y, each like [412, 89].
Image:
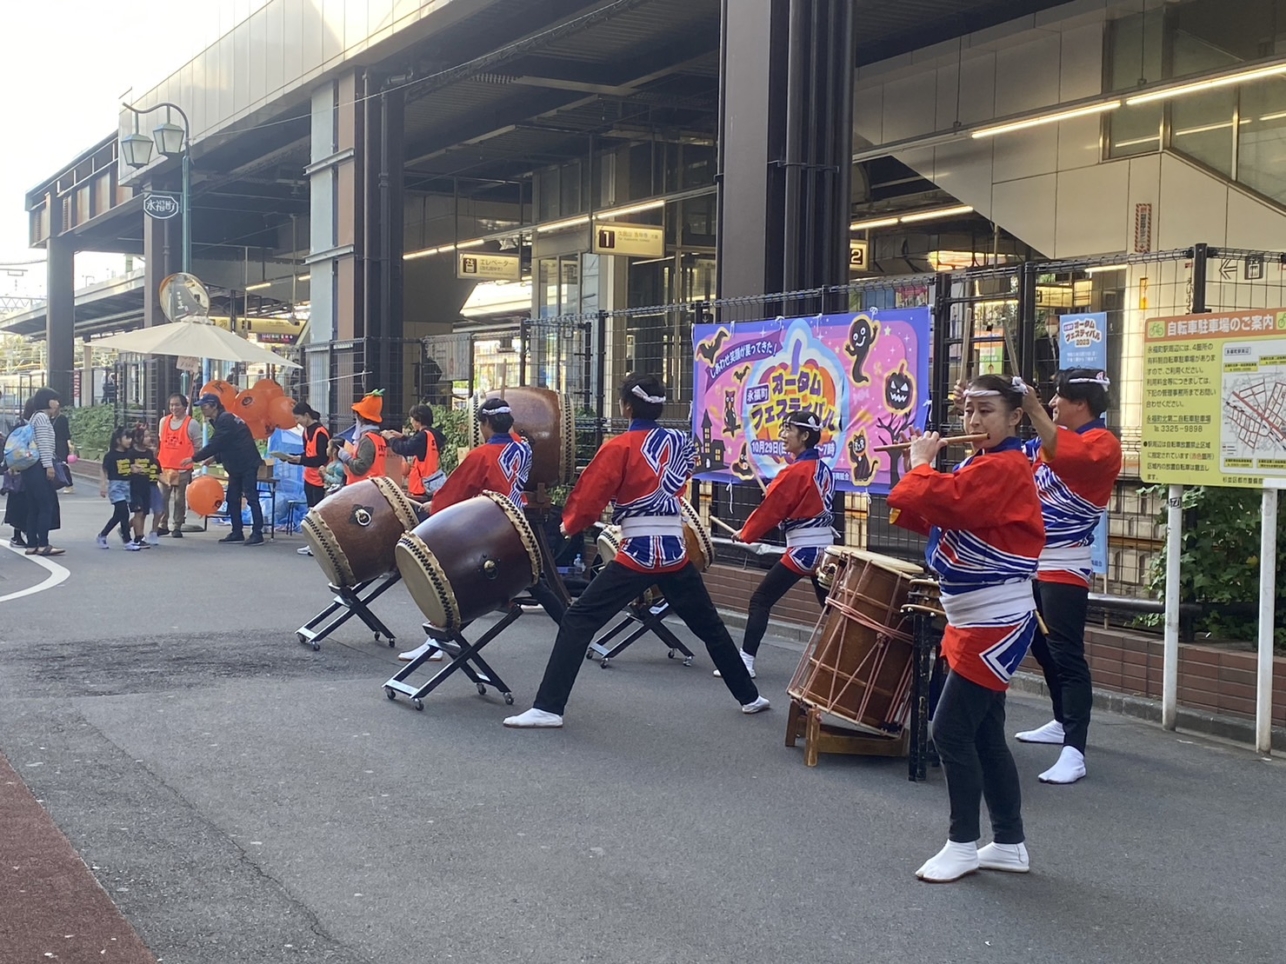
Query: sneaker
[125, 540]
[162, 531]
[18, 542]
[177, 533]
[534, 719]
[256, 539]
[1051, 732]
[153, 539]
[758, 706]
[101, 542]
[1011, 858]
[413, 654]
[233, 537]
[132, 547]
[305, 551]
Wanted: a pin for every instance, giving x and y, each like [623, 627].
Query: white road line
[57, 574]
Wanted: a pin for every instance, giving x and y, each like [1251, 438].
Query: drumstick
[723, 525]
[955, 439]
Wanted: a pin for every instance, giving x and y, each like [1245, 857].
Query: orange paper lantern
[258, 428]
[250, 406]
[205, 495]
[227, 393]
[281, 412]
[268, 388]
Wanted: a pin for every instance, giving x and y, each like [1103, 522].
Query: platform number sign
[858, 252]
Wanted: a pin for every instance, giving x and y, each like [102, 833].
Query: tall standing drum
[468, 559]
[695, 535]
[546, 419]
[858, 664]
[353, 532]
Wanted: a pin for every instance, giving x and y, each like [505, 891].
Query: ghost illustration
[861, 338]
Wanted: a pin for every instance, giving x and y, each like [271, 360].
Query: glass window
[1135, 58]
[548, 191]
[1201, 126]
[570, 190]
[1261, 155]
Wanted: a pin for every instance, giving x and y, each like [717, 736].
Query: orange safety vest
[312, 449]
[176, 444]
[424, 468]
[377, 467]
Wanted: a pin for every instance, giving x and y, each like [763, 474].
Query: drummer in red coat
[500, 464]
[985, 534]
[798, 500]
[643, 473]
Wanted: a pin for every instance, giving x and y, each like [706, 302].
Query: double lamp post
[171, 141]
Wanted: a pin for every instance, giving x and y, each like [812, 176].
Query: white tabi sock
[1051, 732]
[1069, 768]
[534, 719]
[1011, 858]
[952, 862]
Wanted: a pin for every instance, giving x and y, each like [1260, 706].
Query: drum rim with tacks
[826, 571]
[427, 579]
[326, 549]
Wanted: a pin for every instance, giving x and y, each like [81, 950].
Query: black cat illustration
[863, 469]
[730, 423]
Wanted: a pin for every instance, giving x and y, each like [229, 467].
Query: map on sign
[1253, 395]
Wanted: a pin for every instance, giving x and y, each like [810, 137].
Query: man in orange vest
[180, 437]
[364, 458]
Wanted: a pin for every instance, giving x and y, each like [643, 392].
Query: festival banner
[1082, 343]
[866, 374]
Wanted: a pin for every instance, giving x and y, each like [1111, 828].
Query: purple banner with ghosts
[865, 373]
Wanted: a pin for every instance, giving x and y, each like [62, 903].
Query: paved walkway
[242, 798]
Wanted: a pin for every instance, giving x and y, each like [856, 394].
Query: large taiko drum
[468, 559]
[858, 664]
[695, 535]
[353, 532]
[834, 557]
[545, 418]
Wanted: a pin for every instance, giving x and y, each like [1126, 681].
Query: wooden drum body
[546, 419]
[858, 664]
[353, 532]
[468, 559]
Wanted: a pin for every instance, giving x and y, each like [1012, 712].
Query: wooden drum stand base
[819, 737]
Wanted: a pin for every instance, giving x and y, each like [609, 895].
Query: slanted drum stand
[649, 615]
[349, 602]
[464, 657]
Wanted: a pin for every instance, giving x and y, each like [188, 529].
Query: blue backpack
[20, 452]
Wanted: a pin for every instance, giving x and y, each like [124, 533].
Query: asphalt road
[244, 799]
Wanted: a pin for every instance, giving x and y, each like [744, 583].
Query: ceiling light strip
[1040, 119]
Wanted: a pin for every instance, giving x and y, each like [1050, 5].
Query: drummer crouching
[500, 464]
[798, 500]
[641, 472]
[985, 534]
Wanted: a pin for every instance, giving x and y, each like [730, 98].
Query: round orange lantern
[205, 495]
[250, 406]
[268, 388]
[281, 412]
[227, 393]
[258, 427]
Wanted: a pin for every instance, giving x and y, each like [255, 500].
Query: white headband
[809, 421]
[1099, 379]
[1019, 386]
[502, 410]
[653, 399]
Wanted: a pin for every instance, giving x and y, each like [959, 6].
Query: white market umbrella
[194, 340]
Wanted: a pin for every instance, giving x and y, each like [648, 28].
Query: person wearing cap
[642, 472]
[364, 457]
[233, 445]
[1076, 461]
[798, 500]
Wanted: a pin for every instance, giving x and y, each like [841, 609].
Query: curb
[1238, 730]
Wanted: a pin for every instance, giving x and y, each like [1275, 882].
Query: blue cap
[209, 398]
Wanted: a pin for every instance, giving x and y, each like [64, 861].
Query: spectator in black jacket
[234, 446]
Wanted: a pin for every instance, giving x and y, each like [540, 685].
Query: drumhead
[692, 522]
[519, 520]
[889, 563]
[427, 582]
[326, 551]
[609, 543]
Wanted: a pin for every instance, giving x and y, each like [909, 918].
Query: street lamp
[171, 141]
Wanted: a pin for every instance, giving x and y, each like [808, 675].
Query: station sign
[629, 240]
[161, 206]
[858, 255]
[488, 267]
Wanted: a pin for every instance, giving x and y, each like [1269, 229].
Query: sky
[55, 110]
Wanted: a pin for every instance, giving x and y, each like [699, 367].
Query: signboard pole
[1173, 553]
[1267, 618]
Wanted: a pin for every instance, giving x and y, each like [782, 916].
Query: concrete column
[60, 310]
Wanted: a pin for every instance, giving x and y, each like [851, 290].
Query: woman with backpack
[38, 478]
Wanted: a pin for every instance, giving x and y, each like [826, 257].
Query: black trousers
[120, 517]
[774, 585]
[544, 594]
[313, 493]
[41, 501]
[969, 733]
[244, 484]
[1061, 655]
[610, 590]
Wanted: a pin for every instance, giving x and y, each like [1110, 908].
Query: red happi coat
[497, 465]
[798, 498]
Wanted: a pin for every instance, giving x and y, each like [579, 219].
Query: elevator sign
[631, 240]
[488, 267]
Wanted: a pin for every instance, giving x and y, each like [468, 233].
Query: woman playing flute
[985, 534]
[798, 500]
